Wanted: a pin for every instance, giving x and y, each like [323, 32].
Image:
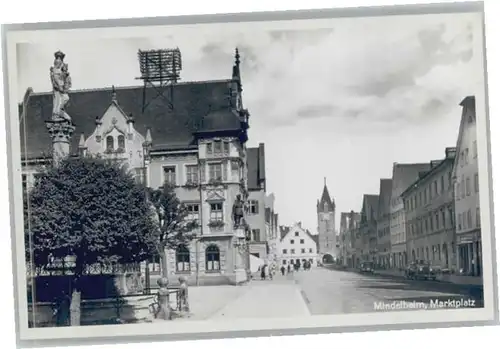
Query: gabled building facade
[325, 209]
[192, 136]
[403, 175]
[353, 240]
[430, 230]
[384, 223]
[368, 228]
[297, 245]
[466, 179]
[256, 210]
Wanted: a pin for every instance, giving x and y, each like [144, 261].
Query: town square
[216, 180]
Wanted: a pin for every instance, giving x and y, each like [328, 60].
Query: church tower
[327, 239]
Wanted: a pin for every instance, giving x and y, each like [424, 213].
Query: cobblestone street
[341, 292]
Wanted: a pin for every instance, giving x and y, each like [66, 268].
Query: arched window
[182, 258]
[212, 258]
[427, 253]
[413, 255]
[110, 143]
[121, 142]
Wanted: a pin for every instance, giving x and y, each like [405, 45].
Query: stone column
[61, 132]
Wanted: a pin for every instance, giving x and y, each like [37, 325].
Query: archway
[327, 259]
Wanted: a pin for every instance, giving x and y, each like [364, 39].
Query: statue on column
[61, 83]
[238, 211]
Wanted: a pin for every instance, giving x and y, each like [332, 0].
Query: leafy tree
[90, 209]
[175, 227]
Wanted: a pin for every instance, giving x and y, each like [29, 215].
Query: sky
[343, 101]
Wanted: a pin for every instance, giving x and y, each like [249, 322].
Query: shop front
[470, 253]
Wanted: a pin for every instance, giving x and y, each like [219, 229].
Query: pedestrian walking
[289, 269]
[283, 270]
[263, 272]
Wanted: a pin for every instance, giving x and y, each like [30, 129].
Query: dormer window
[110, 143]
[121, 143]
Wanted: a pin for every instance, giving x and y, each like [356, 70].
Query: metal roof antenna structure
[160, 71]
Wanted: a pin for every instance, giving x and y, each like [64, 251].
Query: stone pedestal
[240, 257]
[61, 132]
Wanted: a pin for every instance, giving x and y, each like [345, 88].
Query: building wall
[403, 176]
[429, 217]
[467, 210]
[222, 193]
[256, 218]
[303, 246]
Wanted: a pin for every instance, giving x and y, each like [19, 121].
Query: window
[310, 250]
[459, 221]
[292, 241]
[431, 222]
[254, 207]
[296, 233]
[110, 143]
[303, 250]
[256, 235]
[458, 191]
[209, 148]
[466, 155]
[217, 147]
[302, 241]
[284, 251]
[436, 187]
[462, 158]
[182, 258]
[226, 147]
[469, 219]
[425, 195]
[215, 172]
[430, 191]
[192, 174]
[474, 149]
[212, 257]
[216, 213]
[121, 142]
[478, 217]
[443, 218]
[427, 253]
[437, 220]
[193, 212]
[442, 184]
[467, 186]
[476, 183]
[169, 175]
[439, 252]
[292, 251]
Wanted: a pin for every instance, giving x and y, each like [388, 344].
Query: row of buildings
[426, 211]
[192, 135]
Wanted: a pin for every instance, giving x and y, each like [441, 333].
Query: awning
[255, 263]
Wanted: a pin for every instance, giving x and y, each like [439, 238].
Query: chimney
[450, 152]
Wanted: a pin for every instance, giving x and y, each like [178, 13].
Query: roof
[325, 198]
[403, 175]
[256, 167]
[449, 159]
[370, 207]
[196, 105]
[283, 231]
[384, 199]
[467, 102]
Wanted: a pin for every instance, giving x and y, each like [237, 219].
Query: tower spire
[324, 180]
